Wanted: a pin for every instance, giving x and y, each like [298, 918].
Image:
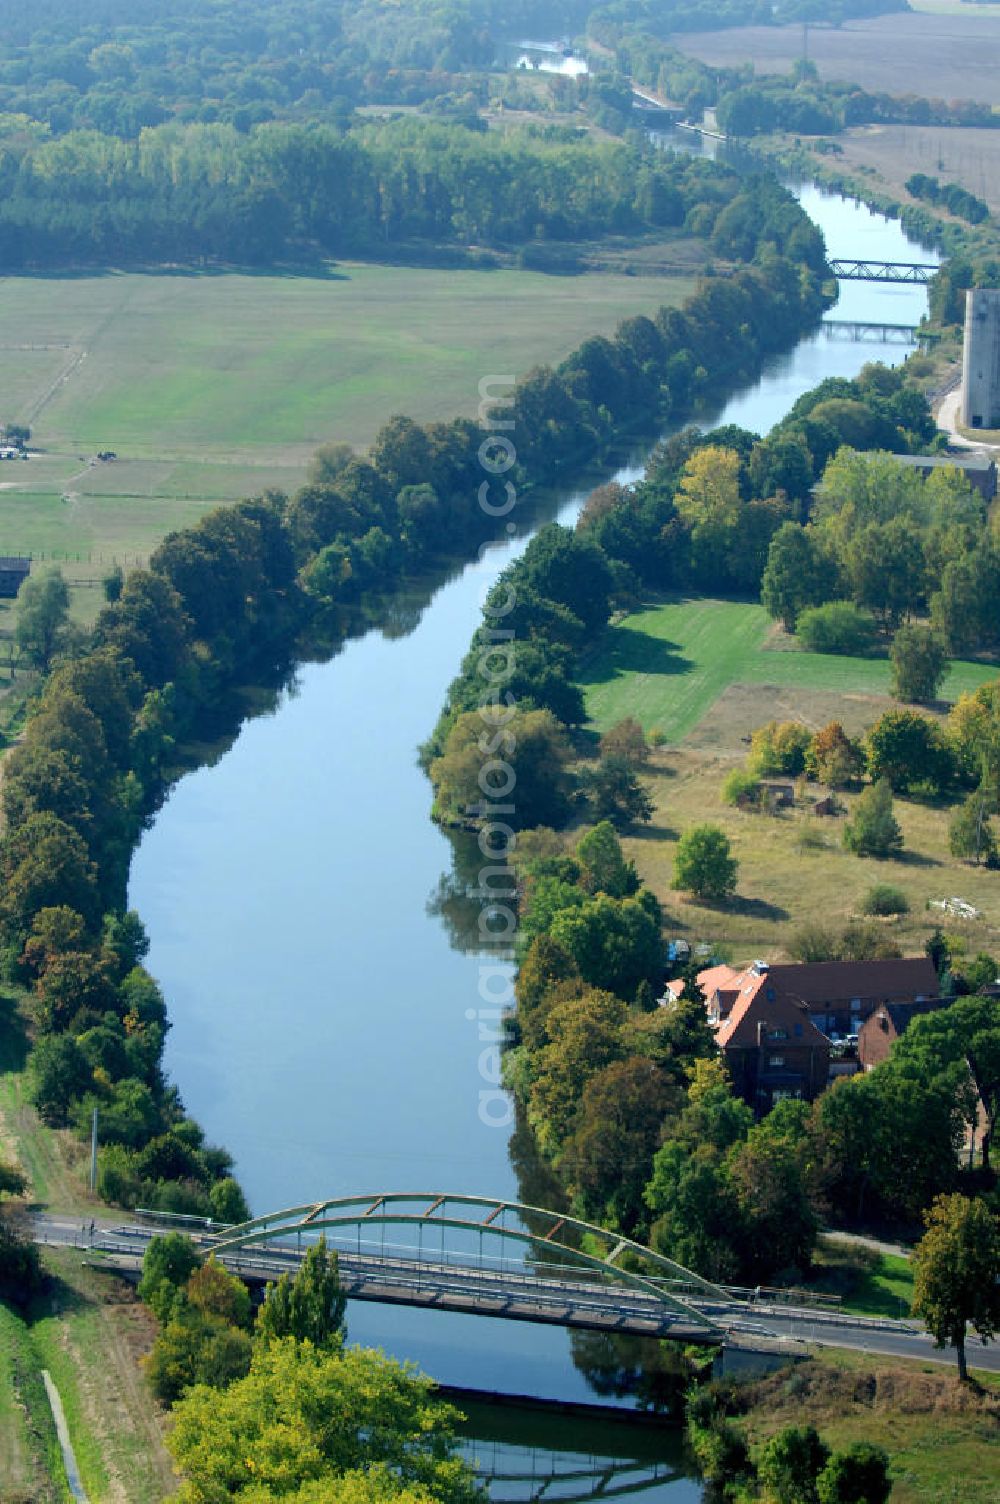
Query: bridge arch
[486, 1215]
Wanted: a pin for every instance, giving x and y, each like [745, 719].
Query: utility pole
[93, 1152]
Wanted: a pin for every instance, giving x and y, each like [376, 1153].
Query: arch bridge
[485, 1257]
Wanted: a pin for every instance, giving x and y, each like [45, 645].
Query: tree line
[894, 546]
[955, 198]
[189, 192]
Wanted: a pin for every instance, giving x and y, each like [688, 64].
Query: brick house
[773, 1022]
[840, 995]
[882, 1028]
[772, 1047]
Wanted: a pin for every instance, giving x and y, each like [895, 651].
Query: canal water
[323, 1009]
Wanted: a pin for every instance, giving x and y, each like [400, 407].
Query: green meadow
[668, 665]
[209, 387]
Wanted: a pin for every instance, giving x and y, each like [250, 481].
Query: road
[518, 1293]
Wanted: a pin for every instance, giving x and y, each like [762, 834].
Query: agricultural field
[703, 675]
[969, 156]
[210, 387]
[953, 53]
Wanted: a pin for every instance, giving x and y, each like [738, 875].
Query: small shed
[13, 573]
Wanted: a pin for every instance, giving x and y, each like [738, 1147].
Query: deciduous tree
[43, 627]
[704, 864]
[957, 1273]
[304, 1415]
[919, 660]
[309, 1307]
[873, 829]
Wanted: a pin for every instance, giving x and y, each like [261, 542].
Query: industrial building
[981, 359]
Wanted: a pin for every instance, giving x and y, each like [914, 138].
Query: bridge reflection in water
[523, 1455]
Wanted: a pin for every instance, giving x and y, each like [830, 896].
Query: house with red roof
[772, 1047]
[774, 1023]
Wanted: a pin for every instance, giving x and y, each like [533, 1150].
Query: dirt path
[897, 1250]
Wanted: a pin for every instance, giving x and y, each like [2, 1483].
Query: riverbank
[943, 1436]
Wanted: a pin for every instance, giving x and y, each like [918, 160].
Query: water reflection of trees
[459, 900]
[653, 1373]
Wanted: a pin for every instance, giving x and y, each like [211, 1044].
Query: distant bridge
[910, 273]
[857, 332]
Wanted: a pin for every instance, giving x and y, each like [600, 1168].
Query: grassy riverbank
[706, 674]
[943, 1437]
[86, 1328]
[89, 1332]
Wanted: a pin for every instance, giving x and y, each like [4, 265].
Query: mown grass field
[668, 665]
[88, 1331]
[701, 672]
[210, 387]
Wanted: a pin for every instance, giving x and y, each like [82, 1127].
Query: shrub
[741, 787]
[883, 898]
[779, 747]
[813, 942]
[837, 627]
[833, 757]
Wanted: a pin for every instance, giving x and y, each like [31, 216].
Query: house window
[775, 1061]
[775, 1034]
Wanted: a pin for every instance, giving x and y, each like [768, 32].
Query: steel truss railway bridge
[909, 273]
[858, 332]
